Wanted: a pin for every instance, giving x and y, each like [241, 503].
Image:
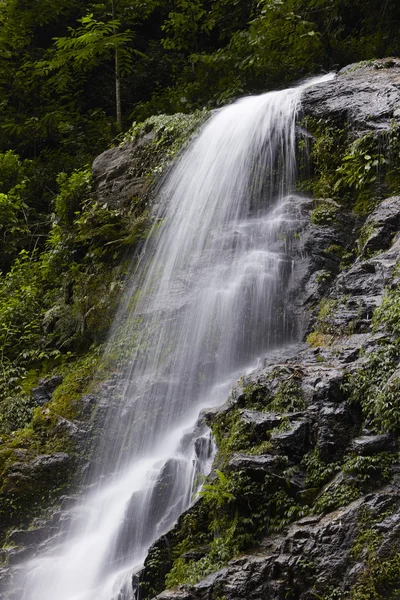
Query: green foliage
[323, 276]
[360, 166]
[324, 213]
[231, 434]
[354, 172]
[288, 397]
[74, 189]
[376, 390]
[12, 227]
[239, 510]
[184, 25]
[21, 302]
[87, 45]
[318, 471]
[219, 493]
[359, 474]
[379, 577]
[10, 171]
[325, 323]
[282, 393]
[370, 470]
[366, 231]
[192, 571]
[387, 315]
[325, 157]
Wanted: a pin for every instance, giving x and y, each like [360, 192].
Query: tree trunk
[117, 73]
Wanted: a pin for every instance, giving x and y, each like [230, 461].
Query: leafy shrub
[374, 388]
[361, 164]
[74, 189]
[13, 227]
[324, 213]
[10, 171]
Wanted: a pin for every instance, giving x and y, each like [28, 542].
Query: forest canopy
[62, 60]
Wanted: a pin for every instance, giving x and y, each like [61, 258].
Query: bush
[10, 171]
[74, 189]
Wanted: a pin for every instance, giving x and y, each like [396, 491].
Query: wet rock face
[119, 176]
[381, 226]
[366, 95]
[311, 557]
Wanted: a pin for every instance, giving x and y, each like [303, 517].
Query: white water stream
[208, 303]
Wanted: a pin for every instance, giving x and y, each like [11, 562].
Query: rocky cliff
[303, 500]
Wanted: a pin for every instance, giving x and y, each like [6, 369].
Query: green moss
[256, 396]
[325, 157]
[169, 134]
[366, 231]
[233, 434]
[281, 393]
[318, 339]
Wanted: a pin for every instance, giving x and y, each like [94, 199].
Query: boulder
[368, 445]
[118, 175]
[381, 226]
[43, 392]
[365, 95]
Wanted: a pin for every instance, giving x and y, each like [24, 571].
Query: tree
[102, 36]
[86, 47]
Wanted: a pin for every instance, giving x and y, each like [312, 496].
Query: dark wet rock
[337, 425]
[382, 224]
[261, 421]
[295, 441]
[203, 448]
[27, 484]
[366, 95]
[44, 390]
[358, 291]
[27, 537]
[118, 175]
[44, 469]
[70, 428]
[368, 445]
[313, 555]
[253, 464]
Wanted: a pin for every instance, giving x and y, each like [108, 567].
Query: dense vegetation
[74, 73]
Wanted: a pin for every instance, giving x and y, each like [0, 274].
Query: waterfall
[208, 302]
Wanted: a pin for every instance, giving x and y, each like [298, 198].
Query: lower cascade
[209, 302]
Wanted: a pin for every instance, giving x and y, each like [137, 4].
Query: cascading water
[208, 303]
